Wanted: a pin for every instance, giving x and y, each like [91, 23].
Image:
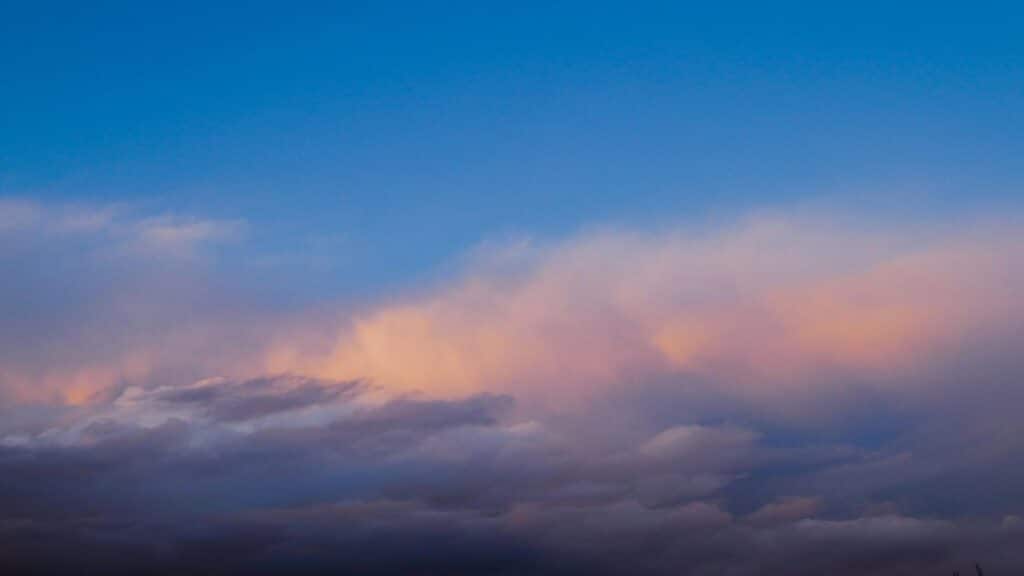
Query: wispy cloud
[180, 237]
[24, 215]
[114, 225]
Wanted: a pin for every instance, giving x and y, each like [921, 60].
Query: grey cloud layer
[209, 477]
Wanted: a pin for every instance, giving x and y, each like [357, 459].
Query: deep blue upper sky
[385, 138]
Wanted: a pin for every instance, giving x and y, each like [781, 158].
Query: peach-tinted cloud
[766, 312]
[759, 309]
[75, 384]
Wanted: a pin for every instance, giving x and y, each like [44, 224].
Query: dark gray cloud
[229, 401]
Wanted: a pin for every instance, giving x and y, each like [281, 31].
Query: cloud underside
[788, 395]
[213, 477]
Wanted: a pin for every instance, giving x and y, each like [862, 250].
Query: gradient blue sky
[382, 139]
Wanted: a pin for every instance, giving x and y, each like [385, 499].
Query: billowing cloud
[784, 315]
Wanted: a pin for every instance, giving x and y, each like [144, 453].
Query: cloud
[21, 215]
[230, 401]
[15, 214]
[697, 443]
[91, 303]
[406, 484]
[179, 237]
[785, 510]
[113, 225]
[791, 394]
[771, 313]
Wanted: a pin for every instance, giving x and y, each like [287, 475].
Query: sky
[536, 288]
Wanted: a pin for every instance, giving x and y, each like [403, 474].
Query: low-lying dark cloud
[224, 400]
[175, 480]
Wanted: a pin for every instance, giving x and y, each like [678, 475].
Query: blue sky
[395, 136]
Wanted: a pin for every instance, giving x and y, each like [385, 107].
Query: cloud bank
[792, 393]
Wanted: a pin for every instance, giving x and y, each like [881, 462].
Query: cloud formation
[788, 394]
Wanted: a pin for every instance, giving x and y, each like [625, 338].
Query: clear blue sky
[391, 137]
